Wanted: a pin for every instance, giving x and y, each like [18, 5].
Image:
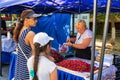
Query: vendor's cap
[42, 38]
[29, 13]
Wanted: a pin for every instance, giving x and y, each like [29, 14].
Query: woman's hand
[69, 44]
[71, 40]
[68, 40]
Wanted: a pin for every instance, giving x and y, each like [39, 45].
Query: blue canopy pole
[104, 39]
[73, 21]
[0, 48]
[93, 41]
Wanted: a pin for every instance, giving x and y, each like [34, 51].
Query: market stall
[56, 5]
[65, 74]
[108, 72]
[83, 73]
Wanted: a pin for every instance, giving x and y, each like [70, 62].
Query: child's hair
[37, 52]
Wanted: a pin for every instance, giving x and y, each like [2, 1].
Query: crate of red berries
[76, 65]
[81, 68]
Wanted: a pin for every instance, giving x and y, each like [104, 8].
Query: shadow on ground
[5, 72]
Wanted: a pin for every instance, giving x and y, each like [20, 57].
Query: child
[39, 65]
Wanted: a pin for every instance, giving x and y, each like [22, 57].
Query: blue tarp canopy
[47, 6]
[7, 3]
[56, 25]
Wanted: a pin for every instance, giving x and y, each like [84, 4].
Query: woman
[83, 40]
[39, 65]
[24, 37]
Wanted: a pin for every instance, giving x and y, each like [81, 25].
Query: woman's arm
[83, 45]
[29, 39]
[53, 75]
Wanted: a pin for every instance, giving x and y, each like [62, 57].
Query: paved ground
[5, 72]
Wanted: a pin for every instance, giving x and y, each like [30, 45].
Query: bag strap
[22, 51]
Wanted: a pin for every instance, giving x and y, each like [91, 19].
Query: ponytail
[17, 30]
[37, 52]
[36, 60]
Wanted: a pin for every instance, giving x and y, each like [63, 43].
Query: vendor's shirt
[80, 38]
[45, 67]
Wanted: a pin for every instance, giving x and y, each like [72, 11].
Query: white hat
[42, 38]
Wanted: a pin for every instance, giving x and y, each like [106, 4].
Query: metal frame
[93, 41]
[104, 39]
[0, 48]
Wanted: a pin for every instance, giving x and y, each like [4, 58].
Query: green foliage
[101, 16]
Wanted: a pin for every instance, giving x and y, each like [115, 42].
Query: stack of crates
[117, 64]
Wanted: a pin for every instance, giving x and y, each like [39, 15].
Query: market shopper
[3, 28]
[39, 65]
[83, 41]
[24, 37]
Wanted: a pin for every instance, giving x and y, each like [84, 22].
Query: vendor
[83, 41]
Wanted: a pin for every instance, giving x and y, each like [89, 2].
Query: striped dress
[21, 70]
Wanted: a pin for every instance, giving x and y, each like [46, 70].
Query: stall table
[66, 74]
[8, 46]
[108, 73]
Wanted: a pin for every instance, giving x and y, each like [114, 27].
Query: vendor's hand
[71, 40]
[68, 40]
[69, 44]
[63, 48]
